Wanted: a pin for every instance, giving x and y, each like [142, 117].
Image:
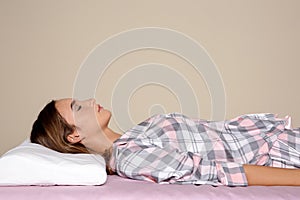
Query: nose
[92, 101]
[88, 102]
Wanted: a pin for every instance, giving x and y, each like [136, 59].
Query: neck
[99, 143]
[111, 135]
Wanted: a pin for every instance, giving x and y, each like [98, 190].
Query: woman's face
[87, 116]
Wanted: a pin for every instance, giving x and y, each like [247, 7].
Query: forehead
[61, 103]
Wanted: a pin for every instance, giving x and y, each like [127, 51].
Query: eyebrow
[72, 104]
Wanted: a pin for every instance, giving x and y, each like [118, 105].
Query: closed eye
[77, 107]
[74, 106]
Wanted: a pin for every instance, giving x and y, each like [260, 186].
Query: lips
[99, 107]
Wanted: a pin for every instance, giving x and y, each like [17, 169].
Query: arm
[160, 165]
[271, 176]
[168, 165]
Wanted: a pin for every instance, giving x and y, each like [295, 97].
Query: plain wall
[254, 44]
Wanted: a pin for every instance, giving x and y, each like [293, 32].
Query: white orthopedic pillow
[33, 164]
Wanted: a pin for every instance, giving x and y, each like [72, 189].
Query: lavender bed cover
[121, 188]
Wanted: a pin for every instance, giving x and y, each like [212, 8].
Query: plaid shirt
[173, 148]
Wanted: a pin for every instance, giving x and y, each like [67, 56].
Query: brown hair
[50, 129]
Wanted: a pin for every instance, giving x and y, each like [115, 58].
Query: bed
[121, 188]
[31, 171]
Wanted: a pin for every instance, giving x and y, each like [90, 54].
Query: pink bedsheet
[120, 188]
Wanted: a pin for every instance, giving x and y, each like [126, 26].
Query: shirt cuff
[231, 174]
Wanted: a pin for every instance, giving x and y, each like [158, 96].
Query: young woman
[256, 149]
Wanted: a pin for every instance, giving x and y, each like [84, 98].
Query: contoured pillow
[34, 164]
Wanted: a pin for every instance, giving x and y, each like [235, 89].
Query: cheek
[65, 111]
[68, 116]
[86, 120]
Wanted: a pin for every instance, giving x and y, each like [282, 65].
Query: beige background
[255, 45]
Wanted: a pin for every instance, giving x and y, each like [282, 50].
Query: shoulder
[155, 121]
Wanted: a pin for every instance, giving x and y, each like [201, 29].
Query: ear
[74, 137]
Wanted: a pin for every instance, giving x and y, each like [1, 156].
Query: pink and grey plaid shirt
[173, 148]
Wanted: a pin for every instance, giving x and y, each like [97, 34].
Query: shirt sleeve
[163, 165]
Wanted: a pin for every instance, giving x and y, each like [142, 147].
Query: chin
[107, 113]
[104, 118]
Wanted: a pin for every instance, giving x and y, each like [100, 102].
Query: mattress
[121, 188]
